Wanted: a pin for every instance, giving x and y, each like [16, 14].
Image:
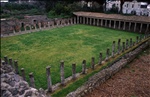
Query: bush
[114, 9]
[5, 15]
[61, 10]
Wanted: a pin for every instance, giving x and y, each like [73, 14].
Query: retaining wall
[106, 73]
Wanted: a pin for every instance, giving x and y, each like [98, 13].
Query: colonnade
[134, 26]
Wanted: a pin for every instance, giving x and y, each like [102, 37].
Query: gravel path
[131, 81]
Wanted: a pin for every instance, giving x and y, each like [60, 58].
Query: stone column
[73, 71]
[127, 43]
[6, 59]
[77, 19]
[113, 49]
[49, 81]
[93, 21]
[129, 26]
[147, 28]
[53, 25]
[119, 40]
[141, 27]
[48, 25]
[40, 25]
[23, 74]
[124, 25]
[62, 73]
[107, 54]
[83, 20]
[32, 84]
[135, 27]
[119, 24]
[71, 21]
[68, 21]
[65, 22]
[109, 23]
[131, 42]
[100, 59]
[35, 26]
[11, 62]
[30, 27]
[114, 24]
[90, 21]
[123, 46]
[16, 66]
[14, 31]
[140, 38]
[25, 28]
[84, 67]
[97, 22]
[93, 63]
[87, 20]
[74, 20]
[44, 25]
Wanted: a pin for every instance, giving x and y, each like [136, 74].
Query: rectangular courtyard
[73, 44]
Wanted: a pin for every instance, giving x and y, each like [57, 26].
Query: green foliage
[114, 9]
[19, 17]
[16, 10]
[64, 9]
[35, 51]
[5, 15]
[14, 6]
[61, 10]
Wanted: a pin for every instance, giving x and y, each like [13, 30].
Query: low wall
[12, 85]
[106, 73]
[39, 26]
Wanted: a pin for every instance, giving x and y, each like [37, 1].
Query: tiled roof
[114, 16]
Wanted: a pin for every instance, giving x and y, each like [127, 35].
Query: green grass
[36, 51]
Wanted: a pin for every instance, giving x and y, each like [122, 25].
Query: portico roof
[114, 16]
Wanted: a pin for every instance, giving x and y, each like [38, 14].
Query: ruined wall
[32, 24]
[12, 85]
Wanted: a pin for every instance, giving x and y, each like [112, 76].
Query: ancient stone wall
[32, 24]
[12, 85]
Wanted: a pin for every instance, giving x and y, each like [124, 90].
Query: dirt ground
[132, 81]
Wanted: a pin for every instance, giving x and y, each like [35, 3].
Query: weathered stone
[12, 85]
[93, 63]
[100, 59]
[7, 94]
[62, 72]
[28, 93]
[49, 81]
[13, 91]
[73, 71]
[83, 67]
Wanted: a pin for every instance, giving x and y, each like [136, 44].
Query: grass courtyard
[36, 51]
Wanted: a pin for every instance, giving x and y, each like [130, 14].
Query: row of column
[116, 24]
[49, 24]
[115, 50]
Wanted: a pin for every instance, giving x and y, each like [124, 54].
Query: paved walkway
[131, 81]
